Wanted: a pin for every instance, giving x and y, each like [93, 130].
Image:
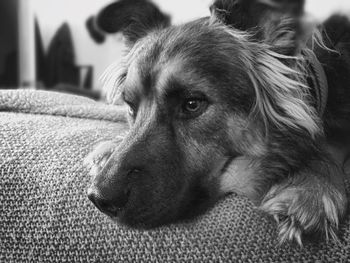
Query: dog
[253, 100]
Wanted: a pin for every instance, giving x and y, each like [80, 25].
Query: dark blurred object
[60, 61]
[59, 70]
[8, 44]
[116, 17]
[88, 78]
[40, 54]
[95, 33]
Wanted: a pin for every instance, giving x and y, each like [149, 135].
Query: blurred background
[45, 44]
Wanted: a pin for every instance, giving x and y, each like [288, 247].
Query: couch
[45, 215]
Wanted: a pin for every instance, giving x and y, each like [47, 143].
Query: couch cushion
[45, 215]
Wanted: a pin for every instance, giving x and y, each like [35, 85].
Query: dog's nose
[109, 206]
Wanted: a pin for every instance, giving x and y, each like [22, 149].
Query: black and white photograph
[174, 131]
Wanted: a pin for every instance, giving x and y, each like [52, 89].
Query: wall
[52, 13]
[321, 9]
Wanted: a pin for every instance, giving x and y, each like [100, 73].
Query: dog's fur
[223, 104]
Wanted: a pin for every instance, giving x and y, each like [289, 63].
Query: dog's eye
[194, 106]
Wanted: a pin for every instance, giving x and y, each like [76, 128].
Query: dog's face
[187, 122]
[195, 108]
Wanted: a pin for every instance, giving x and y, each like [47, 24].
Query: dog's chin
[143, 219]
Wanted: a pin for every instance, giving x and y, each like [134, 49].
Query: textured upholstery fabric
[45, 215]
[54, 103]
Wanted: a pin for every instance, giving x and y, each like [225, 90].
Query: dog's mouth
[113, 213]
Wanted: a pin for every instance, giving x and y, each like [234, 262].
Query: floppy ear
[275, 22]
[134, 18]
[275, 38]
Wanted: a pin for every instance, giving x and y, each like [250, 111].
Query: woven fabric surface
[55, 103]
[45, 215]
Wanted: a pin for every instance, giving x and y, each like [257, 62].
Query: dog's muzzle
[112, 198]
[111, 206]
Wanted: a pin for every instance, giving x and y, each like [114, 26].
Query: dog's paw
[96, 160]
[305, 209]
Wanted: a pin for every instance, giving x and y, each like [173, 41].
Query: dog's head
[201, 96]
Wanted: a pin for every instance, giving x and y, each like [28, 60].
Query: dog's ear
[276, 22]
[277, 34]
[134, 18]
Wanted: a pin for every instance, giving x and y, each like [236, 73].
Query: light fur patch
[282, 92]
[239, 177]
[166, 70]
[95, 161]
[275, 86]
[246, 137]
[115, 75]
